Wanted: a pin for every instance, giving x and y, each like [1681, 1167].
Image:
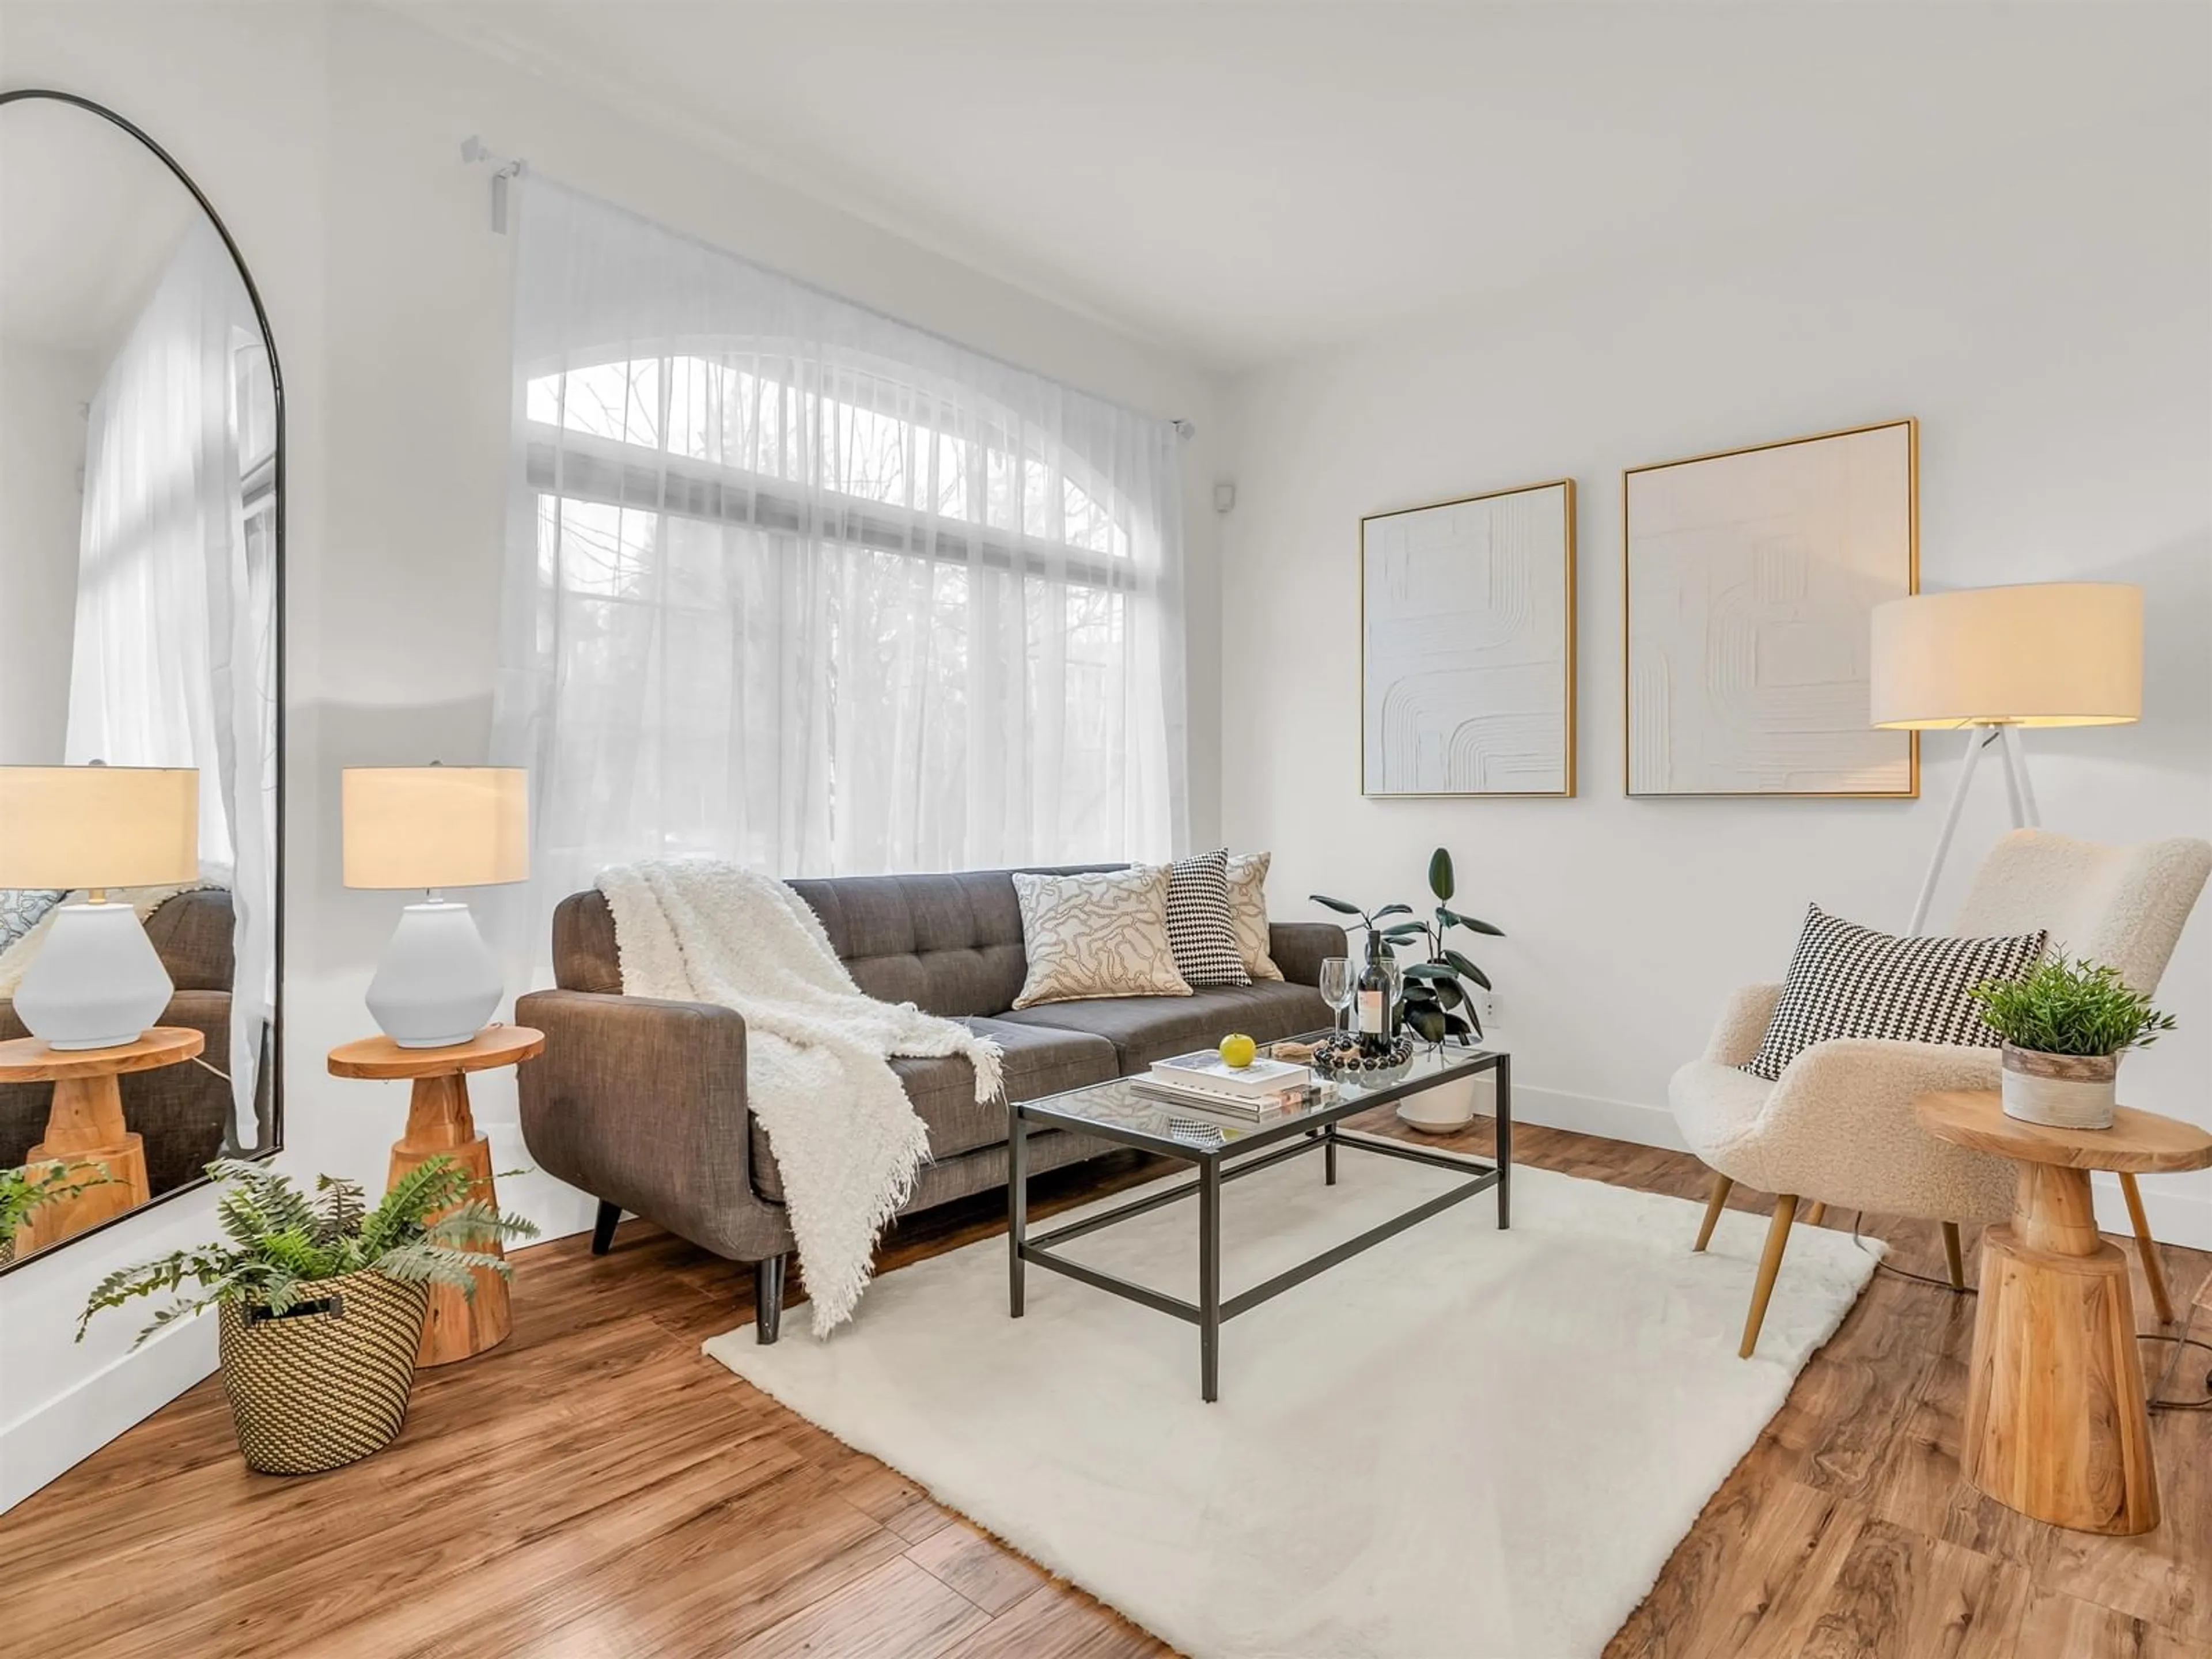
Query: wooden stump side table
[84, 1124]
[2058, 1425]
[438, 1120]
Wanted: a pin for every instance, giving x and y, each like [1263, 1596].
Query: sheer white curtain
[169, 664]
[792, 583]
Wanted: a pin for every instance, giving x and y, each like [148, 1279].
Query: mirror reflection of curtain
[794, 584]
[172, 663]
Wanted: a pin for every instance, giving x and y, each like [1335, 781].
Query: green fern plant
[24, 1189]
[276, 1240]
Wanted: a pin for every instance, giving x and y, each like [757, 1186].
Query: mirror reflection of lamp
[96, 981]
[431, 828]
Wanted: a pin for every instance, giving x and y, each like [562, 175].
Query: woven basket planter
[327, 1382]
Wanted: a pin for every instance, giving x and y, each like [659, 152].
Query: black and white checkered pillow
[1846, 980]
[1201, 931]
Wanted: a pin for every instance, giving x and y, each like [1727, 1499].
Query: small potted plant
[1435, 1004]
[321, 1301]
[2065, 1025]
[22, 1190]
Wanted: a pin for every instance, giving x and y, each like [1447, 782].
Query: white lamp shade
[2048, 653]
[435, 826]
[99, 826]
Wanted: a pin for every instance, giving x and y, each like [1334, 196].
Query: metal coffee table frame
[1256, 1147]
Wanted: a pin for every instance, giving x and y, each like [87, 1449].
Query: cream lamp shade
[2047, 653]
[430, 827]
[99, 826]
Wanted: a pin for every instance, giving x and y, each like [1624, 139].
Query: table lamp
[96, 981]
[432, 828]
[1992, 660]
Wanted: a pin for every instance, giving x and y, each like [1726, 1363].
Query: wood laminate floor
[597, 1488]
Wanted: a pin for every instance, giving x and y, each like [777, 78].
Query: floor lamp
[1992, 661]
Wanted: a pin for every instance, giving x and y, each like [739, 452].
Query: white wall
[329, 136]
[2050, 322]
[43, 393]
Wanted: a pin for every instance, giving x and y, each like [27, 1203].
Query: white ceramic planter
[1452, 1105]
[2060, 1091]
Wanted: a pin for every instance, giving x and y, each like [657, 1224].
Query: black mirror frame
[277, 599]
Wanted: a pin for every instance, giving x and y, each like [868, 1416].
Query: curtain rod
[475, 153]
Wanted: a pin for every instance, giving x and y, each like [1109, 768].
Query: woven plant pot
[326, 1384]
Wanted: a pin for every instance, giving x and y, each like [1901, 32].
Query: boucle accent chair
[642, 1102]
[1837, 1127]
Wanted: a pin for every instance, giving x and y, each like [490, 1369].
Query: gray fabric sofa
[642, 1102]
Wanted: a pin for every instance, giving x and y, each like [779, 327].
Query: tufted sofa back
[951, 944]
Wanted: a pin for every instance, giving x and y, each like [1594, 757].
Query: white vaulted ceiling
[1244, 182]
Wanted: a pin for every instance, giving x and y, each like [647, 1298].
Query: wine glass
[1336, 986]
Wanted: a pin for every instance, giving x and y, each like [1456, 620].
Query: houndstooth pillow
[1201, 930]
[1846, 980]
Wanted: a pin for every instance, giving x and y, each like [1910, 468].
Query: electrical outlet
[1487, 1004]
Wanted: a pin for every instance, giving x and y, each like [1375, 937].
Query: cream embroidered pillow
[1248, 910]
[1099, 935]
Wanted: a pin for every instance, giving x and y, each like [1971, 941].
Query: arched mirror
[142, 553]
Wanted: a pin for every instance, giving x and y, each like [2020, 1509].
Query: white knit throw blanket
[818, 1050]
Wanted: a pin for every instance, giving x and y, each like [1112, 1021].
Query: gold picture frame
[1567, 716]
[1909, 428]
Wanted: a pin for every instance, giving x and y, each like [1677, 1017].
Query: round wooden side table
[2057, 1426]
[438, 1120]
[84, 1125]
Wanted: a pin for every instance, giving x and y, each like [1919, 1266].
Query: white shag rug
[1463, 1445]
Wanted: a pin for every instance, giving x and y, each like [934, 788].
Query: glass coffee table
[1223, 1146]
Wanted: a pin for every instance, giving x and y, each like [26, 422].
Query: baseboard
[1588, 1114]
[44, 1443]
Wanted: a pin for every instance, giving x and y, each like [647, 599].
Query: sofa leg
[768, 1298]
[603, 1228]
[1954, 1262]
[1714, 1205]
[1770, 1264]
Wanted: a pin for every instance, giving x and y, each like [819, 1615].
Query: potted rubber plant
[23, 1190]
[321, 1301]
[1434, 1003]
[2065, 1025]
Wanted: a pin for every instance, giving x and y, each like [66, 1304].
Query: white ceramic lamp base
[96, 982]
[438, 982]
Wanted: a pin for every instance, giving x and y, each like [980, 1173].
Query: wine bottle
[1374, 1006]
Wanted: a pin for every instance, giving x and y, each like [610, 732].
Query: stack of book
[1263, 1089]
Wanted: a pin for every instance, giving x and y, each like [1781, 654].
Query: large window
[797, 586]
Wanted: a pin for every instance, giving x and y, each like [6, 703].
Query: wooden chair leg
[1770, 1264]
[1816, 1215]
[1714, 1205]
[1954, 1261]
[2147, 1248]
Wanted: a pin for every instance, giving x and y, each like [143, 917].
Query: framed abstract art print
[1750, 576]
[1467, 646]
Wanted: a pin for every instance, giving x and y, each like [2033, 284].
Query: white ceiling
[1245, 182]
